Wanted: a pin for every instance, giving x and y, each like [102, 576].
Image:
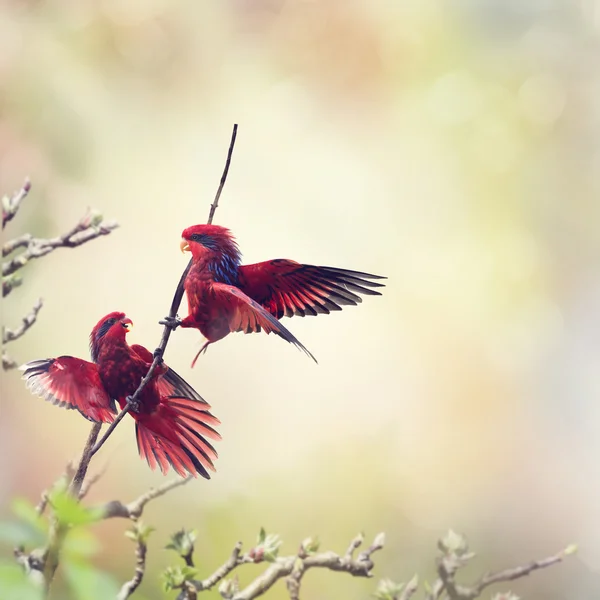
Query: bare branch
[19, 242]
[213, 206]
[514, 573]
[89, 227]
[11, 205]
[130, 586]
[236, 559]
[89, 483]
[354, 544]
[10, 335]
[294, 567]
[447, 569]
[7, 362]
[9, 283]
[77, 482]
[162, 346]
[134, 509]
[294, 578]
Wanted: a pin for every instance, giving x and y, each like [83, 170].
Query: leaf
[388, 590]
[16, 534]
[69, 511]
[310, 545]
[27, 512]
[80, 543]
[182, 542]
[174, 577]
[139, 532]
[454, 543]
[262, 534]
[88, 583]
[15, 585]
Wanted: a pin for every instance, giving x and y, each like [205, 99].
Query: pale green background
[452, 146]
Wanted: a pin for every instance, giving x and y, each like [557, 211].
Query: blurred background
[451, 146]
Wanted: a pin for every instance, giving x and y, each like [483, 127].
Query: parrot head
[211, 241]
[113, 326]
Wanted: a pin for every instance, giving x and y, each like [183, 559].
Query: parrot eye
[103, 330]
[206, 240]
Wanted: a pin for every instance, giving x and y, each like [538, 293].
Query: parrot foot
[201, 351]
[134, 405]
[171, 322]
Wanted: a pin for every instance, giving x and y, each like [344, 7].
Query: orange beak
[185, 247]
[127, 323]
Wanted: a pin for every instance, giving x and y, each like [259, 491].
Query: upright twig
[75, 487]
[10, 335]
[213, 206]
[11, 205]
[160, 350]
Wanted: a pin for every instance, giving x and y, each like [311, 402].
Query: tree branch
[77, 482]
[10, 335]
[11, 205]
[130, 586]
[89, 227]
[460, 592]
[134, 509]
[213, 206]
[160, 350]
[292, 567]
[7, 362]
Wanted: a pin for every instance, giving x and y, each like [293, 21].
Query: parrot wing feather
[169, 382]
[249, 316]
[72, 383]
[287, 288]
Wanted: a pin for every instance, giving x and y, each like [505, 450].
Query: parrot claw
[171, 322]
[134, 404]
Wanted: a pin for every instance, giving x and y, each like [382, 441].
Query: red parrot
[225, 296]
[172, 420]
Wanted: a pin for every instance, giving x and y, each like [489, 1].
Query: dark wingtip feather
[357, 274]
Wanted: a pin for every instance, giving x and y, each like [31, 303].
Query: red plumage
[225, 296]
[172, 420]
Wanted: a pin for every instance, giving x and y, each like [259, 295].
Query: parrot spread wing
[71, 383]
[169, 382]
[249, 316]
[176, 432]
[288, 288]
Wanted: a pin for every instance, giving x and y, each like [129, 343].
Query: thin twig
[77, 482]
[10, 335]
[235, 560]
[294, 579]
[130, 586]
[160, 350]
[7, 362]
[11, 205]
[135, 508]
[282, 567]
[88, 228]
[88, 483]
[213, 206]
[19, 242]
[456, 591]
